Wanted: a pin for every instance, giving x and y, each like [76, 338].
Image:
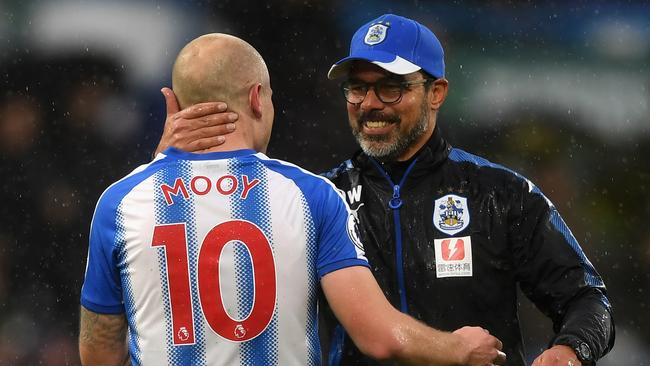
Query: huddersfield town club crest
[376, 34]
[450, 214]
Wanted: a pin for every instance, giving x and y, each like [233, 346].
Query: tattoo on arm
[103, 333]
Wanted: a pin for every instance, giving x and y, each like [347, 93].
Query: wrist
[583, 352]
[458, 345]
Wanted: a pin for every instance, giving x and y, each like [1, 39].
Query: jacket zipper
[395, 203]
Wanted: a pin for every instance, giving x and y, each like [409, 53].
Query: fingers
[198, 127]
[192, 134]
[558, 355]
[212, 131]
[500, 359]
[202, 110]
[207, 144]
[205, 138]
[170, 101]
[499, 344]
[220, 119]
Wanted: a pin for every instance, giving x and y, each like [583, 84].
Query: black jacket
[450, 244]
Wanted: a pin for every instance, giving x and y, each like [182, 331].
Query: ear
[438, 93]
[255, 99]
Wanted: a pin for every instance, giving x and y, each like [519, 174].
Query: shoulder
[496, 175]
[488, 169]
[112, 196]
[303, 178]
[463, 157]
[342, 169]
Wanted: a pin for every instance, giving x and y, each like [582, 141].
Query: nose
[371, 101]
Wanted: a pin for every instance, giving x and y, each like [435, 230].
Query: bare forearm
[379, 330]
[418, 344]
[102, 339]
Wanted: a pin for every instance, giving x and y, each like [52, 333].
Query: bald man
[215, 258]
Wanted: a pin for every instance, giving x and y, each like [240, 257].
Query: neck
[241, 138]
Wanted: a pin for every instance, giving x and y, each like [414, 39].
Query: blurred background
[558, 91]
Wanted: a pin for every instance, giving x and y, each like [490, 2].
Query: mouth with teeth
[375, 124]
[378, 125]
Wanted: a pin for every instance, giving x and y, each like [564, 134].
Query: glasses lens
[354, 92]
[388, 91]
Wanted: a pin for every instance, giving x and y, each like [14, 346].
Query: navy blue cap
[398, 45]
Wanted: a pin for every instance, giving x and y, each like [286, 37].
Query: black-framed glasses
[388, 91]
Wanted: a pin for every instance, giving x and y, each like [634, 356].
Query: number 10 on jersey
[173, 238]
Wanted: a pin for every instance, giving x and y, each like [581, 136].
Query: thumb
[170, 101]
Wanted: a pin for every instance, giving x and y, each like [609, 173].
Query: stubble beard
[391, 146]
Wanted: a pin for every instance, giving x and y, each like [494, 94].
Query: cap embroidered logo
[376, 34]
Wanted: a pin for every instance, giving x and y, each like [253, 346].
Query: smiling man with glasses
[392, 102]
[449, 235]
[385, 133]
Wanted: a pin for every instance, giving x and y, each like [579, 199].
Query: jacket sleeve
[554, 272]
[589, 320]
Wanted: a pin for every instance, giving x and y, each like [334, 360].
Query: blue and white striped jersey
[215, 258]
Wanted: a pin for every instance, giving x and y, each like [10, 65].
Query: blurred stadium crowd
[559, 92]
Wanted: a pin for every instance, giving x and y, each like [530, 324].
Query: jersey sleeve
[102, 289]
[339, 244]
